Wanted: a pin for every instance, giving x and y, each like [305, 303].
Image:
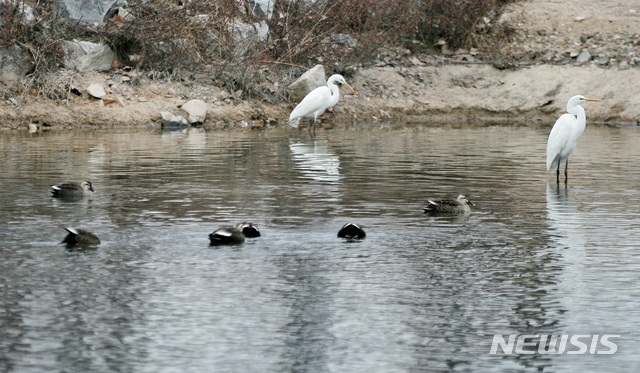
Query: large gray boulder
[310, 80]
[197, 110]
[246, 35]
[14, 64]
[87, 56]
[86, 11]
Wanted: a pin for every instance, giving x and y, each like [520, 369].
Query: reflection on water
[316, 161]
[420, 293]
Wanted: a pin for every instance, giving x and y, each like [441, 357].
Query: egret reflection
[316, 161]
[321, 168]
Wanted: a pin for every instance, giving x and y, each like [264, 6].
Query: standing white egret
[318, 101]
[565, 134]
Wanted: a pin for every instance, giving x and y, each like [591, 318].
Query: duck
[459, 205]
[249, 230]
[72, 189]
[226, 236]
[352, 231]
[80, 237]
[233, 235]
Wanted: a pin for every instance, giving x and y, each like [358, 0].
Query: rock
[623, 65]
[197, 110]
[85, 11]
[96, 90]
[171, 121]
[583, 57]
[311, 79]
[416, 61]
[246, 35]
[261, 8]
[17, 8]
[344, 39]
[14, 64]
[87, 56]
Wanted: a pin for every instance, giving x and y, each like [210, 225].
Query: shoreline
[444, 93]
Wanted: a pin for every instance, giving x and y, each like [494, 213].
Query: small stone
[96, 90]
[579, 18]
[416, 61]
[142, 99]
[623, 65]
[583, 57]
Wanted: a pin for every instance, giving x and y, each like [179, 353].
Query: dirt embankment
[543, 70]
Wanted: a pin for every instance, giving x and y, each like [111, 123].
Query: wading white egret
[318, 101]
[565, 134]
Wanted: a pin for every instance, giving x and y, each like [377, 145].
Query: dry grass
[168, 39]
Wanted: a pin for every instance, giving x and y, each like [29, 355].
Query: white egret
[565, 134]
[318, 101]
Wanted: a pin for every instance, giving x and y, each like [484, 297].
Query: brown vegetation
[171, 39]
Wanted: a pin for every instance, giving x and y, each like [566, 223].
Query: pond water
[420, 293]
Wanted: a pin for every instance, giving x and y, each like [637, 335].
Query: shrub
[167, 37]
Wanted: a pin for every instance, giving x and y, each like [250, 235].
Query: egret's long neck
[335, 93]
[581, 117]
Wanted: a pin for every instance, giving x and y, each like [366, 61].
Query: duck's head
[87, 186]
[248, 229]
[464, 200]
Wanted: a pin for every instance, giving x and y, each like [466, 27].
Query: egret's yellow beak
[348, 86]
[592, 99]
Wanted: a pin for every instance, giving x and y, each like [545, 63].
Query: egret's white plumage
[319, 100]
[565, 134]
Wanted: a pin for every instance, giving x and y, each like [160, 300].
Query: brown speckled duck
[459, 205]
[72, 190]
[79, 237]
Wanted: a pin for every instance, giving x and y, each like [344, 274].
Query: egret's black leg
[313, 129]
[566, 171]
[558, 174]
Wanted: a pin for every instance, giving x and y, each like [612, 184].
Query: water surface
[419, 293]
